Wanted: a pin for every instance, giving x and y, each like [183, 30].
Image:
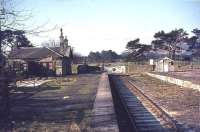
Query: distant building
[116, 69]
[43, 61]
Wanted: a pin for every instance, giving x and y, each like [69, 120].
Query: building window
[50, 65]
[25, 67]
[44, 64]
[58, 63]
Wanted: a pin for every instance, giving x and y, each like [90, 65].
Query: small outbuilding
[164, 65]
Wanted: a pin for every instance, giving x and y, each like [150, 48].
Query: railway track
[143, 113]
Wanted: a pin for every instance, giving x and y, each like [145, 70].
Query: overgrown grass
[53, 112]
[86, 89]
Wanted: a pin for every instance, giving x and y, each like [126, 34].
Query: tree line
[171, 42]
[103, 56]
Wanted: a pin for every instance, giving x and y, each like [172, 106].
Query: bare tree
[14, 20]
[12, 29]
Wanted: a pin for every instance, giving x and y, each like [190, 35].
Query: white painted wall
[115, 69]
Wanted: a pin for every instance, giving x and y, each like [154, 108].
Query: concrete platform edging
[104, 116]
[179, 82]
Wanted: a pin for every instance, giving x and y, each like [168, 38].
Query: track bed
[142, 113]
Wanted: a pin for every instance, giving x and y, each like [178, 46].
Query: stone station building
[43, 61]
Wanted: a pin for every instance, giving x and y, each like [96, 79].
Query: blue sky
[94, 25]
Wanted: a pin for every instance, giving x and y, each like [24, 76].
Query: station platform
[192, 75]
[104, 116]
[189, 79]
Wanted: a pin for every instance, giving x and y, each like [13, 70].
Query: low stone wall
[104, 117]
[179, 82]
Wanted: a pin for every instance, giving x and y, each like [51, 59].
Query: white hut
[164, 65]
